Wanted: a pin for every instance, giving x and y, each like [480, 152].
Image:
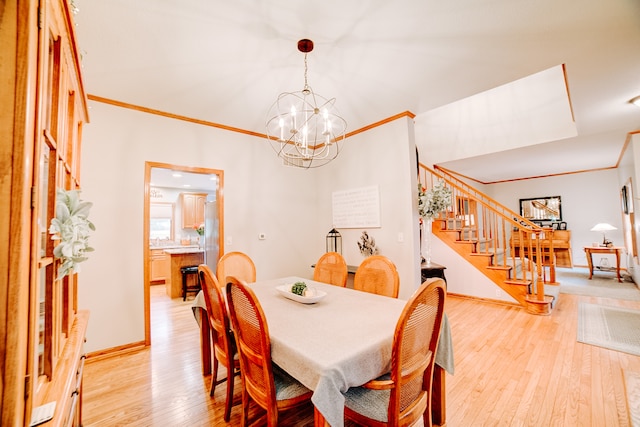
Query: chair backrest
[254, 345]
[331, 268]
[414, 350]
[223, 344]
[236, 264]
[377, 274]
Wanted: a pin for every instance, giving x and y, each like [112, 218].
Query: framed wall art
[541, 209]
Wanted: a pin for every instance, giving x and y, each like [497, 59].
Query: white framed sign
[356, 208]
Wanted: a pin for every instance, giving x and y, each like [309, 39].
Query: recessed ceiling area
[533, 110]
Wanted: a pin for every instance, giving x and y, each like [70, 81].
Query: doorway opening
[166, 223]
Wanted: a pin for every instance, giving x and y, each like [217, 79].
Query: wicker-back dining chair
[377, 274]
[236, 264]
[402, 396]
[331, 268]
[262, 382]
[224, 346]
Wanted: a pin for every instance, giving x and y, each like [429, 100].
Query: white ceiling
[226, 62]
[186, 181]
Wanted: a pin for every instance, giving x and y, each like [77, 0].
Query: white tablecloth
[342, 341]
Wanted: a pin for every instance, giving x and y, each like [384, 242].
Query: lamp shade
[603, 226]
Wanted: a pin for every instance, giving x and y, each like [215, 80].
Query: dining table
[340, 341]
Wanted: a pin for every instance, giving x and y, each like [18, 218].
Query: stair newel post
[540, 282]
[552, 260]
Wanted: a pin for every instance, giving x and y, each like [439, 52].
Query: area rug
[614, 328]
[603, 284]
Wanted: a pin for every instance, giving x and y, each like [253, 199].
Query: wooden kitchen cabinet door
[193, 209]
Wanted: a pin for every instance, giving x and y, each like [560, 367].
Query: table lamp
[604, 227]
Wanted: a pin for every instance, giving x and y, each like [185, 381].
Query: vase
[425, 244]
[200, 242]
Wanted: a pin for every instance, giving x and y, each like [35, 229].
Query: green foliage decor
[71, 227]
[298, 288]
[433, 201]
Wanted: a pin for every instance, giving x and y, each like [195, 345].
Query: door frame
[145, 238]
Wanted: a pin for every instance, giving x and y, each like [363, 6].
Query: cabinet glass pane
[43, 215]
[41, 320]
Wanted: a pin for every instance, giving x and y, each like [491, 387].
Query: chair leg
[214, 376]
[230, 381]
[245, 407]
[184, 287]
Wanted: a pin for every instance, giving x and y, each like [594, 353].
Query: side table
[589, 250]
[432, 270]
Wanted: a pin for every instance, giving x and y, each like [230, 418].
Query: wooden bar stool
[186, 272]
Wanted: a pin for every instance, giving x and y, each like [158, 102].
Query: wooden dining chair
[331, 268]
[377, 274]
[224, 346]
[402, 396]
[236, 264]
[267, 385]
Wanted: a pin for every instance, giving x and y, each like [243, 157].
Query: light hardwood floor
[512, 369]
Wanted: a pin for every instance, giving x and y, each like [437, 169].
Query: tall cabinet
[42, 113]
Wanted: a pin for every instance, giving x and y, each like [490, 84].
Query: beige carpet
[603, 284]
[614, 328]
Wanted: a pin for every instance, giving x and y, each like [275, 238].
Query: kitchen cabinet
[43, 111]
[160, 265]
[192, 209]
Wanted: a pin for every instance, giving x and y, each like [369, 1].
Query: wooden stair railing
[497, 241]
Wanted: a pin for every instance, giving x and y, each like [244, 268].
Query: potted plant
[430, 203]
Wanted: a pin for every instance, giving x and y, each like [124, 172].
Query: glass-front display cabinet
[44, 109]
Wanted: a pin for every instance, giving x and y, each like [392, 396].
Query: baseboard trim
[115, 351]
[486, 300]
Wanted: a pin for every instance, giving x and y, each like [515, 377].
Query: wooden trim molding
[486, 300]
[172, 116]
[521, 179]
[115, 351]
[225, 127]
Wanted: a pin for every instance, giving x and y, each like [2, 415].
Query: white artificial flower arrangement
[71, 227]
[367, 245]
[433, 201]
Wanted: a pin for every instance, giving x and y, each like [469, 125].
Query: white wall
[291, 206]
[587, 199]
[627, 170]
[384, 157]
[259, 196]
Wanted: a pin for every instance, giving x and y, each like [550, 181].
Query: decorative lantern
[334, 241]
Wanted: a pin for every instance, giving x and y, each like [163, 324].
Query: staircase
[504, 246]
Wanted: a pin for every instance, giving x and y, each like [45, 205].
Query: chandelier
[304, 128]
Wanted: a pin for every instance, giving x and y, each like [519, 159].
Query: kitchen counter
[174, 246]
[183, 250]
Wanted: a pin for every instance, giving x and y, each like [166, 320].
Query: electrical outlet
[498, 293]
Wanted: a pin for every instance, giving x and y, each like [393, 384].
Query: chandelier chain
[306, 86]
